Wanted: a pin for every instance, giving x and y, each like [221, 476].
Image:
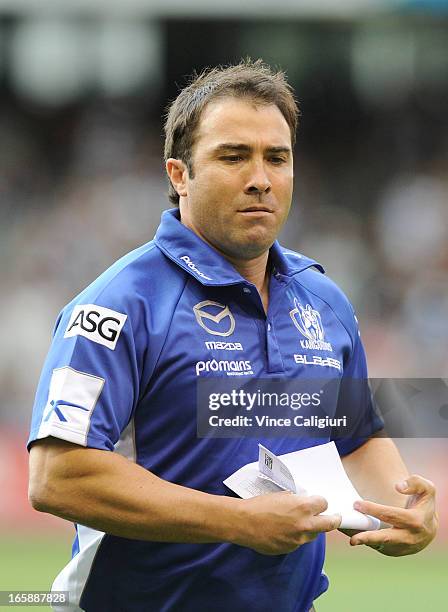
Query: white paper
[311, 471]
[273, 468]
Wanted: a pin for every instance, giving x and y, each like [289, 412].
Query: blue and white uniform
[121, 376]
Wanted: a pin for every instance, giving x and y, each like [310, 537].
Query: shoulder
[128, 289]
[137, 276]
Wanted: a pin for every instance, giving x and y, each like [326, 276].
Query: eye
[277, 161]
[232, 159]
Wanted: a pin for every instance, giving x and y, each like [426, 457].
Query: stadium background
[82, 91]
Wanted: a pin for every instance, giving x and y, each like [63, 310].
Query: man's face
[241, 192]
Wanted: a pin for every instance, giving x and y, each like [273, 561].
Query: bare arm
[374, 468]
[105, 491]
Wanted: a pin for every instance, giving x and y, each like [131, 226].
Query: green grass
[360, 579]
[31, 563]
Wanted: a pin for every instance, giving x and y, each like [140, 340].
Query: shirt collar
[190, 252]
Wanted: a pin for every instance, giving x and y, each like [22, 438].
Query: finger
[324, 523]
[374, 538]
[399, 517]
[316, 504]
[416, 485]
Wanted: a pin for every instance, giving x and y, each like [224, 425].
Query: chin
[259, 241]
[247, 246]
[253, 249]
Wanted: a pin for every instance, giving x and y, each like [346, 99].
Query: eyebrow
[242, 148]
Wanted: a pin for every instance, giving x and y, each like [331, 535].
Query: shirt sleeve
[89, 385]
[355, 402]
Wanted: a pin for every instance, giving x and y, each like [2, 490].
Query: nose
[258, 182]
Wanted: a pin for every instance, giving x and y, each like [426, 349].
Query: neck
[256, 272]
[253, 270]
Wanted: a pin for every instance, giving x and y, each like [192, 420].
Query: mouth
[256, 210]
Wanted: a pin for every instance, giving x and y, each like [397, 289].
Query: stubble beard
[240, 248]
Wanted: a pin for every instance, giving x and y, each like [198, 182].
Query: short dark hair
[250, 79]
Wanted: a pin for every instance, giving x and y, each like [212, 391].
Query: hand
[278, 523]
[412, 528]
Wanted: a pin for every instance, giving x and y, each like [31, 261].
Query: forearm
[375, 468]
[107, 492]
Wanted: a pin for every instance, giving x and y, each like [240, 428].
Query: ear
[178, 174]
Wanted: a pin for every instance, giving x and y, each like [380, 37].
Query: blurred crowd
[93, 187]
[392, 261]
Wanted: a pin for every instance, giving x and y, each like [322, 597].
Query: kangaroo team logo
[215, 318]
[309, 323]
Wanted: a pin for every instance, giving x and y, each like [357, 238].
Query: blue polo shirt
[121, 376]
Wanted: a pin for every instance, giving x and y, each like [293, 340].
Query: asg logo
[309, 323]
[99, 324]
[215, 318]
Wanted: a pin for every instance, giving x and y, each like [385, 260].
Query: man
[113, 441]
